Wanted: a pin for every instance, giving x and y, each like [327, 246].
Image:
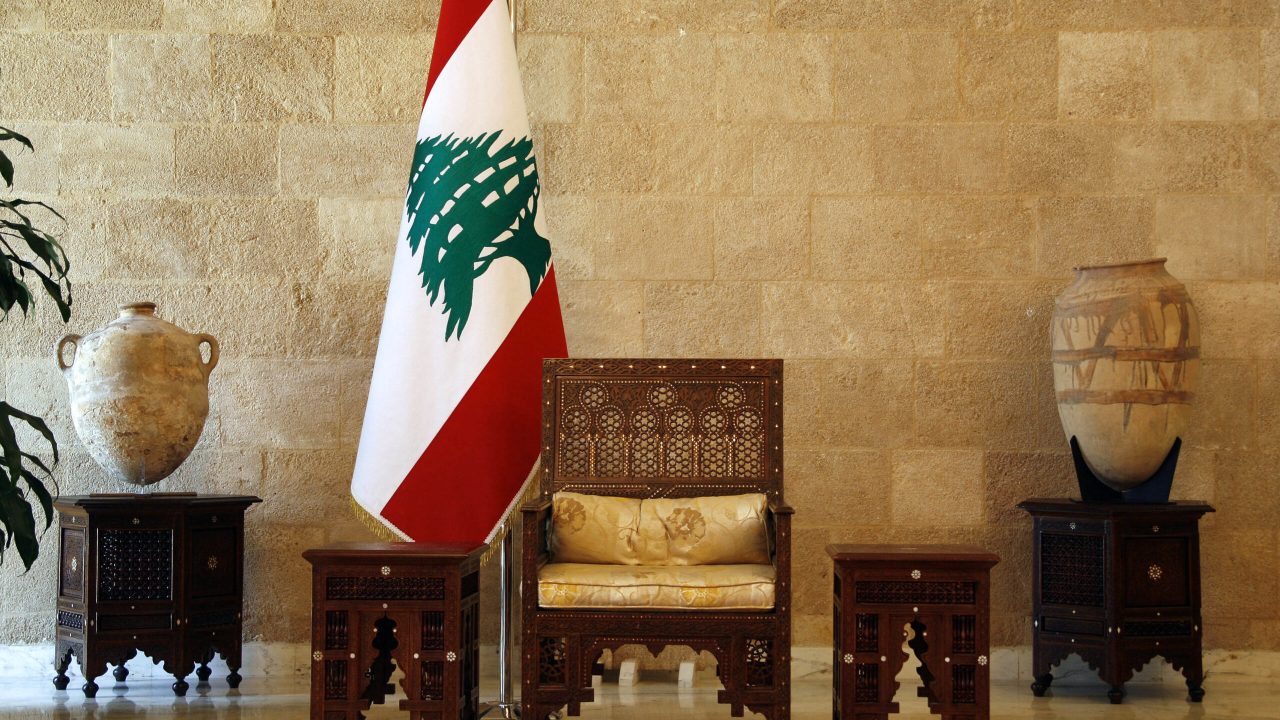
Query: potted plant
[27, 252]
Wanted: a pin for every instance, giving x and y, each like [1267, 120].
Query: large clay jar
[1126, 360]
[139, 392]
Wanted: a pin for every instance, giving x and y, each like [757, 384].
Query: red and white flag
[451, 430]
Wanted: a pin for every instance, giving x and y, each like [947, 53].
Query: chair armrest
[535, 518]
[535, 506]
[780, 545]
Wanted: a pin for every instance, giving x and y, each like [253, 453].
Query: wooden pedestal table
[377, 607]
[1116, 584]
[160, 573]
[936, 595]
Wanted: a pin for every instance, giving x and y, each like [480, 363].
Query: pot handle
[66, 340]
[213, 351]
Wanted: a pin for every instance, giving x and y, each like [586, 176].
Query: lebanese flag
[451, 430]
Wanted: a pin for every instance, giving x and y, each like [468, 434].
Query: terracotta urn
[1126, 360]
[139, 391]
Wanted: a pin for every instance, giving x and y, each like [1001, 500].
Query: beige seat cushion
[595, 529]
[689, 587]
[709, 530]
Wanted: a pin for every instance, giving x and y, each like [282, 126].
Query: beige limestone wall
[886, 194]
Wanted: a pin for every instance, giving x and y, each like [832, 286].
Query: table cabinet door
[136, 562]
[1156, 572]
[213, 559]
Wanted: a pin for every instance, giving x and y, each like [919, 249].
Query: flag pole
[505, 706]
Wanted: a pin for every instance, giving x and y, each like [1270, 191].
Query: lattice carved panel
[867, 683]
[335, 629]
[432, 680]
[964, 638]
[384, 588]
[867, 627]
[552, 661]
[70, 620]
[663, 420]
[433, 630]
[964, 686]
[759, 662]
[1071, 568]
[135, 564]
[873, 592]
[335, 679]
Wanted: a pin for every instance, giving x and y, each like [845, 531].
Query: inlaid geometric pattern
[641, 428]
[759, 662]
[385, 588]
[70, 620]
[135, 564]
[873, 592]
[72, 563]
[1071, 568]
[551, 660]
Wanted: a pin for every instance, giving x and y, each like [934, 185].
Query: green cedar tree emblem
[471, 201]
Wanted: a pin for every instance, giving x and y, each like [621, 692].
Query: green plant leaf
[22, 525]
[7, 134]
[6, 169]
[16, 513]
[25, 247]
[35, 460]
[15, 203]
[42, 495]
[37, 423]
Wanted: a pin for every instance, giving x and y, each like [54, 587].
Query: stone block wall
[886, 194]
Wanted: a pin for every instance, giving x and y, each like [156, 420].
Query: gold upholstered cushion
[710, 587]
[710, 530]
[595, 529]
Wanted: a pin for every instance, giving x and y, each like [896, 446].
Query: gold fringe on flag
[373, 524]
[386, 534]
[528, 493]
[491, 551]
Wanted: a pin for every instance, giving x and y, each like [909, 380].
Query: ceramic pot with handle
[139, 390]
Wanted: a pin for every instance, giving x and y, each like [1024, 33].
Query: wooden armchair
[659, 432]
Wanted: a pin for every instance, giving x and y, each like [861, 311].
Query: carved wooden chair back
[662, 428]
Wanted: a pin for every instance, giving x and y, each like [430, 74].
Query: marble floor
[262, 698]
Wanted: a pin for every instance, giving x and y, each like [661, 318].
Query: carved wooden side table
[937, 596]
[1117, 584]
[381, 606]
[160, 573]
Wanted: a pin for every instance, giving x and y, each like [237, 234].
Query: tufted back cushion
[711, 530]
